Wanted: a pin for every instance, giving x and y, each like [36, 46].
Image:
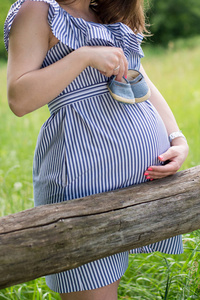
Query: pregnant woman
[64, 53]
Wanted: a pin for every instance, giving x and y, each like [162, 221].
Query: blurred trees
[169, 20]
[172, 19]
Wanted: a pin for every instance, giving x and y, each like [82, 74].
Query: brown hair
[129, 12]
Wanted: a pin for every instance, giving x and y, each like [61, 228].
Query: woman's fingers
[123, 68]
[171, 161]
[155, 172]
[120, 71]
[109, 61]
[120, 68]
[116, 70]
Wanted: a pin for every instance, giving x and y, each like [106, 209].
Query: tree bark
[53, 238]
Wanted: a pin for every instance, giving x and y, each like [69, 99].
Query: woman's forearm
[29, 86]
[161, 106]
[38, 87]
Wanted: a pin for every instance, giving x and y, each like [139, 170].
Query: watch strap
[175, 135]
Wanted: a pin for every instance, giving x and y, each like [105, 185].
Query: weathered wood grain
[53, 238]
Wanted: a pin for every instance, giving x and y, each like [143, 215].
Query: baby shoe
[121, 91]
[139, 86]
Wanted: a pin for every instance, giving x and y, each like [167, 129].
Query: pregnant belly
[113, 148]
[97, 147]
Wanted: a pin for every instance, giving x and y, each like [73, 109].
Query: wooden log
[53, 238]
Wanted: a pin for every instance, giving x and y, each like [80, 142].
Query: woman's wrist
[84, 56]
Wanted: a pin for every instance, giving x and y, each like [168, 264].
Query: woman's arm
[178, 151]
[30, 87]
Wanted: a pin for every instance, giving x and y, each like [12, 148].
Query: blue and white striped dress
[92, 143]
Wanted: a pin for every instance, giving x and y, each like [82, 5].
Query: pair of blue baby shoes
[132, 90]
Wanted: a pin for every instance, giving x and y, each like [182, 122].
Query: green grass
[175, 71]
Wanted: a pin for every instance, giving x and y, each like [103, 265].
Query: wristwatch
[176, 134]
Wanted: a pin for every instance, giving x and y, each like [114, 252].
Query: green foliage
[33, 290]
[4, 8]
[171, 19]
[160, 276]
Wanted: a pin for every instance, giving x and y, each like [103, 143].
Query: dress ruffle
[76, 32]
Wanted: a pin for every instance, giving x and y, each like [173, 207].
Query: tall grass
[154, 276]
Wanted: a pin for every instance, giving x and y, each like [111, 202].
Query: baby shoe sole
[121, 99]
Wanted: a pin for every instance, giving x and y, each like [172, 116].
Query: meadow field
[175, 71]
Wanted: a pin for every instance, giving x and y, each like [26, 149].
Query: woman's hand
[108, 60]
[174, 156]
